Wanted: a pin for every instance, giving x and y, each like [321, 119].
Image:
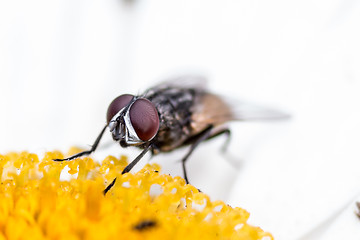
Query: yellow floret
[36, 204]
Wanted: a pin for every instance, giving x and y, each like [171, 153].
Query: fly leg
[128, 167]
[227, 132]
[205, 134]
[85, 153]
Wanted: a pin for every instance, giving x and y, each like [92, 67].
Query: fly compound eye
[144, 119]
[116, 105]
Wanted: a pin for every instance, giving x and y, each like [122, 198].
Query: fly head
[132, 121]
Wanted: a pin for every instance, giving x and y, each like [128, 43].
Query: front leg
[85, 153]
[129, 167]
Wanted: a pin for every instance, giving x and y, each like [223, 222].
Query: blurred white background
[62, 62]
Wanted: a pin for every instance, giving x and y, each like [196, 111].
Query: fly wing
[246, 111]
[220, 108]
[212, 109]
[185, 82]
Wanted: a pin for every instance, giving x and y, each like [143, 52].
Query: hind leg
[203, 136]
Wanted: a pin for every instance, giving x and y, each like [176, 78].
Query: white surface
[62, 62]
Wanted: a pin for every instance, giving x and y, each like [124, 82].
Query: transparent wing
[247, 111]
[212, 109]
[220, 107]
[184, 81]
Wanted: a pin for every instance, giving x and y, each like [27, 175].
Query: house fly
[173, 114]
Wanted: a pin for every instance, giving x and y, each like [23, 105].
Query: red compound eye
[144, 119]
[117, 104]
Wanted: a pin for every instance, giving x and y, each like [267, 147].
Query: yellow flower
[36, 204]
